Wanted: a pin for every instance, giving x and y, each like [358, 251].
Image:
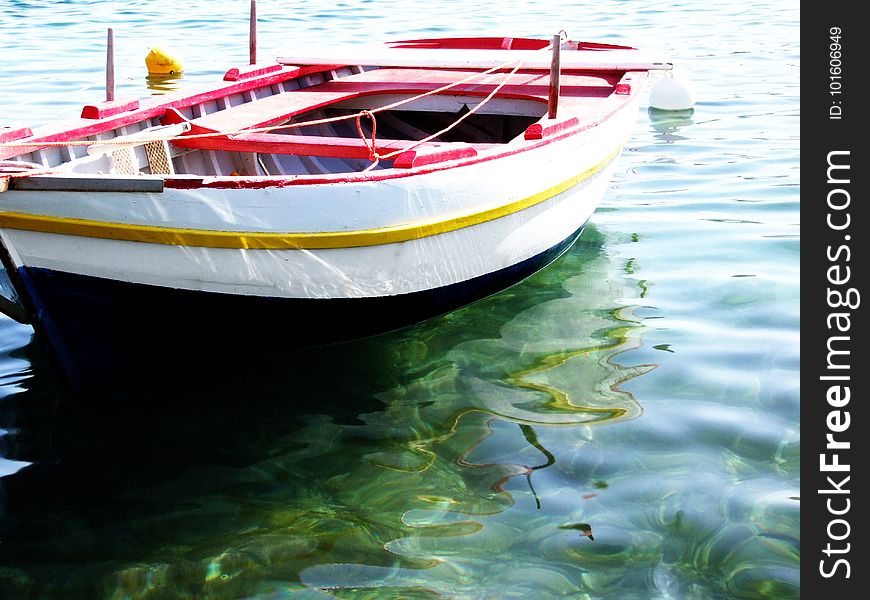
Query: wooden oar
[451, 58]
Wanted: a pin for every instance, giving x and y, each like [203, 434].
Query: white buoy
[670, 93]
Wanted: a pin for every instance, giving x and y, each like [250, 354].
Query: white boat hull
[114, 269]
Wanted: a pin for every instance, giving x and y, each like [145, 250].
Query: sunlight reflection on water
[644, 386]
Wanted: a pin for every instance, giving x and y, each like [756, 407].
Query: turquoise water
[623, 425]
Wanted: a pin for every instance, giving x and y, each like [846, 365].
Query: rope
[367, 113]
[457, 121]
[374, 156]
[10, 169]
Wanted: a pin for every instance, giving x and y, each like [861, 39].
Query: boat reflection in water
[449, 458]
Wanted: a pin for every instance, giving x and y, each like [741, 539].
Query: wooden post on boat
[253, 34]
[110, 66]
[555, 75]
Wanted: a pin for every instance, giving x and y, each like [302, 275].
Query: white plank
[450, 58]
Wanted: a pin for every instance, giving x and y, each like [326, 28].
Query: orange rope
[372, 151]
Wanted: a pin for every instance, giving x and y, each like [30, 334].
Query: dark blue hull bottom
[104, 332]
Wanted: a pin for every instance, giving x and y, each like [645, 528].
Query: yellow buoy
[161, 62]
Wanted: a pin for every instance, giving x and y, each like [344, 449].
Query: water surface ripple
[623, 425]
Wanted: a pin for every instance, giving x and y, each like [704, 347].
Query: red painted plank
[109, 108]
[405, 76]
[273, 143]
[423, 156]
[623, 88]
[8, 134]
[483, 43]
[472, 43]
[538, 131]
[248, 71]
[312, 145]
[521, 84]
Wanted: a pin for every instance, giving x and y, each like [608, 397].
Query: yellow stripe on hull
[275, 241]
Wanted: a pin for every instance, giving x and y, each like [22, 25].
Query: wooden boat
[310, 200]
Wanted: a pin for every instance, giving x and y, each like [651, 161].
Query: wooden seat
[307, 145]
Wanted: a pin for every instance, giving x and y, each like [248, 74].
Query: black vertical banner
[835, 431]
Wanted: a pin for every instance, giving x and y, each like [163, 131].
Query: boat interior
[258, 131]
